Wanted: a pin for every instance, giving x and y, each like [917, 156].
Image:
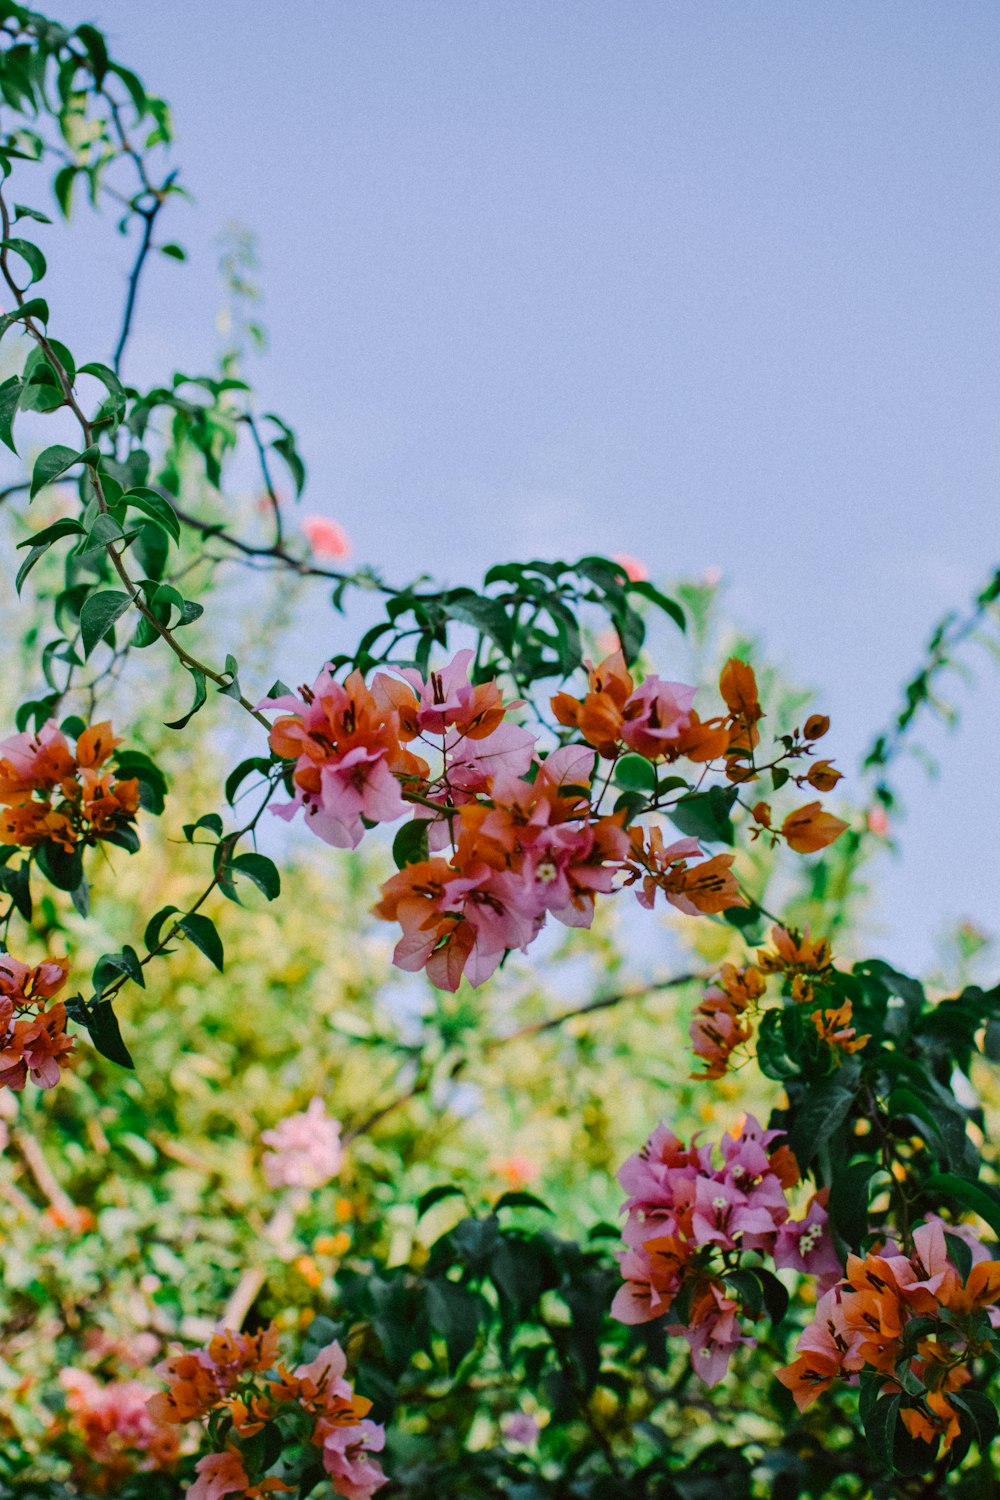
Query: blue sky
[715, 284]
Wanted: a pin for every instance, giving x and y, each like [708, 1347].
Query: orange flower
[809, 1376]
[95, 745]
[935, 1418]
[795, 951]
[599, 716]
[816, 726]
[811, 828]
[738, 687]
[823, 776]
[834, 1027]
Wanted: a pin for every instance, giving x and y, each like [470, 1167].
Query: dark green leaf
[409, 847]
[29, 253]
[200, 697]
[10, 396]
[156, 507]
[520, 1200]
[880, 1429]
[958, 1190]
[55, 461]
[437, 1195]
[706, 815]
[99, 613]
[202, 932]
[105, 1033]
[261, 871]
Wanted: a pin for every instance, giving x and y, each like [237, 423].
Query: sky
[714, 284]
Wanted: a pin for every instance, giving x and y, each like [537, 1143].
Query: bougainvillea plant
[532, 762]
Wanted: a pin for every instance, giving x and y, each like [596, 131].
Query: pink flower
[636, 570]
[326, 538]
[346, 1458]
[805, 1245]
[358, 785]
[721, 1212]
[517, 1171]
[445, 696]
[218, 1474]
[520, 1428]
[713, 1337]
[328, 1369]
[473, 763]
[306, 1150]
[656, 715]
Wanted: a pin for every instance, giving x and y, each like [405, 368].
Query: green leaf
[286, 446]
[22, 211]
[634, 773]
[155, 925]
[64, 870]
[520, 1200]
[880, 1429]
[821, 1113]
[110, 965]
[131, 764]
[455, 1312]
[62, 187]
[776, 1297]
[748, 1289]
[105, 1033]
[35, 307]
[200, 697]
[55, 461]
[969, 1194]
[409, 847]
[438, 1194]
[156, 508]
[175, 252]
[10, 396]
[706, 815]
[236, 778]
[202, 932]
[99, 613]
[849, 1195]
[29, 253]
[669, 606]
[111, 412]
[263, 872]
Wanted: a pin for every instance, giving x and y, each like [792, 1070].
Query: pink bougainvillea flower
[218, 1474]
[656, 715]
[805, 1245]
[327, 538]
[347, 1458]
[305, 1149]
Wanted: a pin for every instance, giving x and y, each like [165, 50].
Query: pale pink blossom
[305, 1149]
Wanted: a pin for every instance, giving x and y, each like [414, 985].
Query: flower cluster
[723, 1020]
[503, 837]
[50, 794]
[114, 1434]
[690, 1224]
[239, 1383]
[914, 1321]
[305, 1149]
[33, 1040]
